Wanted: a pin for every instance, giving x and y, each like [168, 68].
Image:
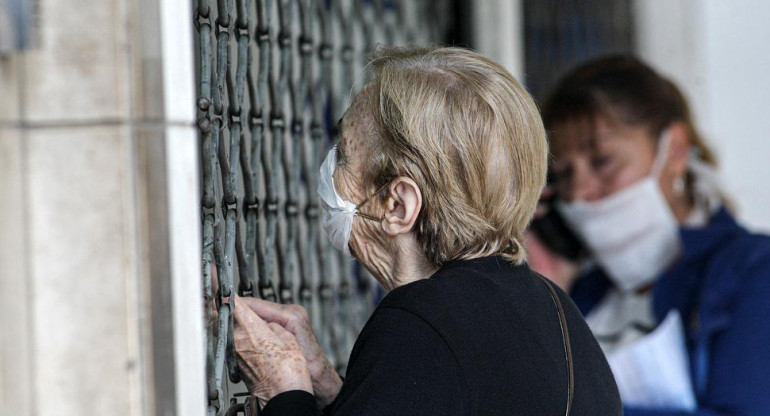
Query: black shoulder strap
[565, 339]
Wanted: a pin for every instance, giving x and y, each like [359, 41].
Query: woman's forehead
[577, 135]
[582, 135]
[350, 156]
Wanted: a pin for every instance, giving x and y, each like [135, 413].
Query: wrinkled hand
[269, 358]
[294, 318]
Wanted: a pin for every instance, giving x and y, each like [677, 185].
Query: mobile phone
[554, 232]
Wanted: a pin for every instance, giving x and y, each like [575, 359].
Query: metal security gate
[275, 75]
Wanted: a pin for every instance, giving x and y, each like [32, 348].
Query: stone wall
[99, 224]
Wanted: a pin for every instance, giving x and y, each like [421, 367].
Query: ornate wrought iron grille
[275, 75]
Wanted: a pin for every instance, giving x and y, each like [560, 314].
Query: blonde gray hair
[468, 134]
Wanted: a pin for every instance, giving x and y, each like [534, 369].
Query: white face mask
[337, 213]
[632, 233]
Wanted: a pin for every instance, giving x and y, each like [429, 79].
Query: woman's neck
[682, 208]
[409, 264]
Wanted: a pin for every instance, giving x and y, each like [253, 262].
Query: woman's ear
[402, 206]
[678, 150]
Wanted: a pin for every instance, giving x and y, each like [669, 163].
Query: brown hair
[626, 90]
[469, 135]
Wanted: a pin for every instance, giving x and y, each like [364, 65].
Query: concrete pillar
[498, 32]
[100, 309]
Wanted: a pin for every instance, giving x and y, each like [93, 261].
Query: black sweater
[480, 337]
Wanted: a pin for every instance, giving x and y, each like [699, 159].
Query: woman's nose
[586, 186]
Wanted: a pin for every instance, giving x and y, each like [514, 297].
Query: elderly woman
[438, 172]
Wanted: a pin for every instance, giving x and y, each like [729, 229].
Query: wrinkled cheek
[369, 247]
[361, 242]
[358, 242]
[363, 250]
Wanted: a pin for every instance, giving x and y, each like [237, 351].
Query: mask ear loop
[367, 216]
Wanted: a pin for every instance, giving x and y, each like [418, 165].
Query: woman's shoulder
[727, 260]
[487, 295]
[725, 232]
[741, 262]
[484, 280]
[735, 248]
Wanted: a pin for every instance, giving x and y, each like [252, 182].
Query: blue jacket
[721, 287]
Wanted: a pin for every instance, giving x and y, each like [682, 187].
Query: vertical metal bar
[269, 162]
[278, 124]
[322, 107]
[265, 250]
[303, 99]
[252, 179]
[228, 164]
[244, 256]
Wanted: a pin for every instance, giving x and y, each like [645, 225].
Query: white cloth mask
[337, 213]
[632, 234]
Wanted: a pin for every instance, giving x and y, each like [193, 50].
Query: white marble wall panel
[80, 71]
[81, 256]
[81, 119]
[146, 62]
[185, 256]
[15, 365]
[10, 108]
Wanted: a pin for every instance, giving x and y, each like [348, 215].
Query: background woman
[635, 181]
